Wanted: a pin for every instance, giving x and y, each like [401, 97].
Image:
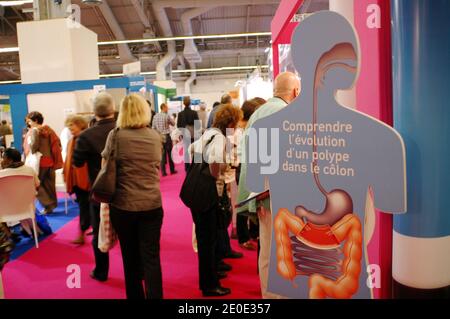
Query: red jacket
[75, 176]
[56, 161]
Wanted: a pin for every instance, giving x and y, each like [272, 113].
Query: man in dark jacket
[152, 111]
[88, 149]
[186, 120]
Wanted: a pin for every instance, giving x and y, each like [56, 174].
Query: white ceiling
[215, 53]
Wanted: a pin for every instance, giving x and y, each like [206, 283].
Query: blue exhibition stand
[18, 95]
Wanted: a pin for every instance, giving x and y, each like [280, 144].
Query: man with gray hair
[90, 145]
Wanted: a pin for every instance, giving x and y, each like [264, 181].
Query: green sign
[168, 93]
[171, 93]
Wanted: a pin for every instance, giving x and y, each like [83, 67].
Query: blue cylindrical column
[421, 66]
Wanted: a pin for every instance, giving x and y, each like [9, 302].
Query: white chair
[61, 188]
[17, 197]
[9, 140]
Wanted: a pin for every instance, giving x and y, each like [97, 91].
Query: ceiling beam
[247, 27]
[124, 50]
[202, 28]
[103, 23]
[9, 24]
[139, 8]
[177, 4]
[18, 14]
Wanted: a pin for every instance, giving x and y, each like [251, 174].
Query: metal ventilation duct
[190, 51]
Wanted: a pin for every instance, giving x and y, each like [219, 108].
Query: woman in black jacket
[212, 146]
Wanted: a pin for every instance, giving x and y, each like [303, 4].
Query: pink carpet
[42, 273]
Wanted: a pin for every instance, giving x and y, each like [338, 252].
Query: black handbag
[199, 191]
[224, 213]
[104, 187]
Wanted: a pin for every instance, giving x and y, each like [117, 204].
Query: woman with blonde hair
[136, 209]
[77, 178]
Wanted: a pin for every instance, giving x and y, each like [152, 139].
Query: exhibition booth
[56, 100]
[356, 167]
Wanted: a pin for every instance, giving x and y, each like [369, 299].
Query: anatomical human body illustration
[325, 231]
[331, 161]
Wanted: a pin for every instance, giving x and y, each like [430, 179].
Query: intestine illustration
[326, 246]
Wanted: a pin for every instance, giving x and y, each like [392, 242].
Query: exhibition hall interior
[224, 150]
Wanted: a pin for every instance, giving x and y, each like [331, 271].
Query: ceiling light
[14, 3]
[225, 68]
[9, 50]
[92, 2]
[194, 37]
[10, 82]
[110, 75]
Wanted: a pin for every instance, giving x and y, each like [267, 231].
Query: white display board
[54, 107]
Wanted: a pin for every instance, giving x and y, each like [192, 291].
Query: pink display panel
[282, 28]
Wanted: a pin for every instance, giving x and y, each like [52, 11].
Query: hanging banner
[328, 168]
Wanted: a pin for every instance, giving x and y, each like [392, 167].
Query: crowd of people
[140, 145]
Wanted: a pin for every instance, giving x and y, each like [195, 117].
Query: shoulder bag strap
[114, 145]
[204, 148]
